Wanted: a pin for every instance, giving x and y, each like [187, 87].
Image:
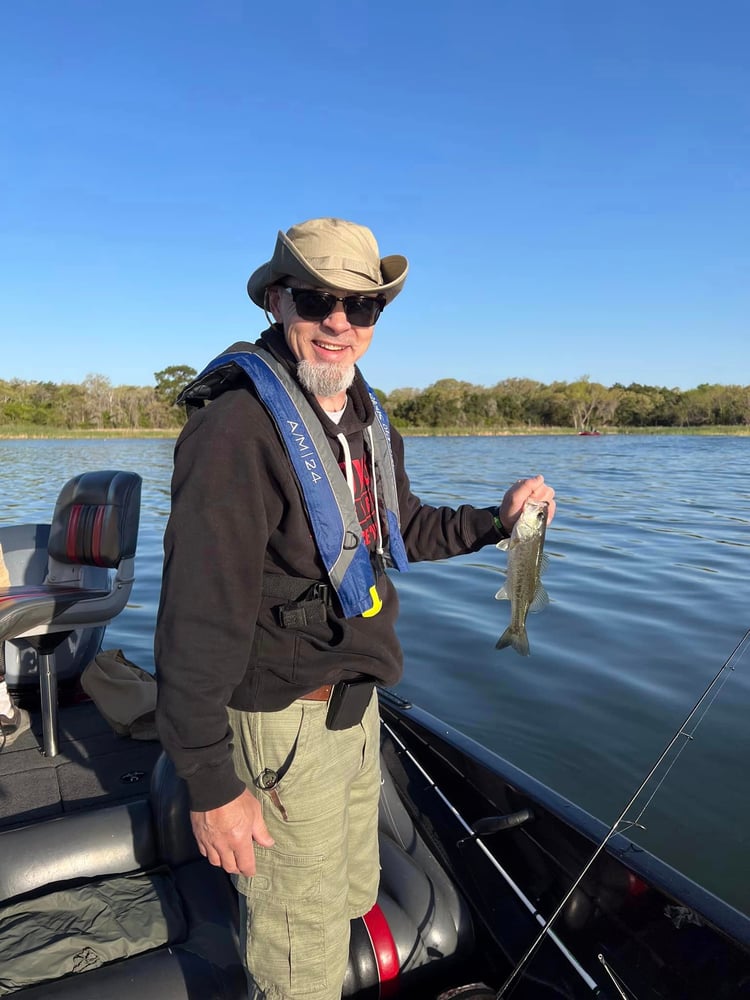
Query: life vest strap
[328, 504]
[292, 588]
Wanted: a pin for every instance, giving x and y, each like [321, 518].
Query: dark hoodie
[237, 514]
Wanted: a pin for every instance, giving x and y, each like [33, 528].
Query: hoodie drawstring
[379, 546]
[347, 463]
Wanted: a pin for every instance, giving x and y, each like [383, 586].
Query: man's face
[333, 340]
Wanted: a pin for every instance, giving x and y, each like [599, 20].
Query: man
[14, 721]
[289, 499]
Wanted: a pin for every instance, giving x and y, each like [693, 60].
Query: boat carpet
[94, 767]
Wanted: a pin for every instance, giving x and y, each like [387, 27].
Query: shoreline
[89, 434]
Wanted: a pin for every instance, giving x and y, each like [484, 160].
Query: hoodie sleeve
[211, 590]
[438, 532]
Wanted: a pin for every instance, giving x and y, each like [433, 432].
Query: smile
[330, 347]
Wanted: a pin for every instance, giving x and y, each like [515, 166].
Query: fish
[523, 586]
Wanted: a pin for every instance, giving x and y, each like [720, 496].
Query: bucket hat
[330, 253]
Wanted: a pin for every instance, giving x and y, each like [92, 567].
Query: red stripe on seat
[96, 541]
[27, 593]
[386, 954]
[71, 535]
[30, 594]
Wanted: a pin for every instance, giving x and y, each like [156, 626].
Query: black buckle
[310, 611]
[320, 592]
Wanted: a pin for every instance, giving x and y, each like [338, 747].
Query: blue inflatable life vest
[327, 499]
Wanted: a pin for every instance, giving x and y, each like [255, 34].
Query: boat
[103, 893]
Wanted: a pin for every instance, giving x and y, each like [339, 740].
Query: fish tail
[515, 637]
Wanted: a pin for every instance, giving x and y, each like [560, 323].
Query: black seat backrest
[96, 518]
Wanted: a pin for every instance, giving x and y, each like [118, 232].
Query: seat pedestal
[45, 646]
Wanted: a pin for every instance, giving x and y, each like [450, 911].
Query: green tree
[518, 401]
[171, 381]
[401, 406]
[592, 403]
[552, 406]
[448, 397]
[636, 406]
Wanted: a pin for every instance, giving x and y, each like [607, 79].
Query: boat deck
[95, 767]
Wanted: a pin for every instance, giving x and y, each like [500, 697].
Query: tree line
[95, 404]
[583, 405]
[448, 403]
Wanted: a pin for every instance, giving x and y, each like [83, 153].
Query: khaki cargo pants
[323, 869]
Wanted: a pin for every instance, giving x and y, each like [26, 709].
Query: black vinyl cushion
[96, 519]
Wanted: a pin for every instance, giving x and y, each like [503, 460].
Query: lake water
[650, 592]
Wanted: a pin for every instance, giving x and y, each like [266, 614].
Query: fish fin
[517, 638]
[502, 594]
[543, 563]
[540, 599]
[503, 544]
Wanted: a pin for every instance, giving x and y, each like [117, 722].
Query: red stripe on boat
[96, 541]
[72, 532]
[384, 947]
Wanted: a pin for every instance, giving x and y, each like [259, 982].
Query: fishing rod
[711, 692]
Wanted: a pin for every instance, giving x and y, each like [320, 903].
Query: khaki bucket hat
[330, 253]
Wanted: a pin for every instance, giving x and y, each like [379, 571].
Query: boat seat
[25, 553]
[419, 917]
[85, 854]
[419, 925]
[95, 524]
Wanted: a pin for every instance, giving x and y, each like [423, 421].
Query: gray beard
[325, 380]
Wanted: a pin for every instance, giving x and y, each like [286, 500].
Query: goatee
[325, 379]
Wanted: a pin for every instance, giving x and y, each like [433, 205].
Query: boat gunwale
[722, 916]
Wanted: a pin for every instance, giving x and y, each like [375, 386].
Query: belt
[319, 694]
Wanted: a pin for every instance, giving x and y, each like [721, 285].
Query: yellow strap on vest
[377, 604]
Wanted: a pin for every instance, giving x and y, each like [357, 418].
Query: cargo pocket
[285, 941]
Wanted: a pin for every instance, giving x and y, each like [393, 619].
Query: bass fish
[523, 587]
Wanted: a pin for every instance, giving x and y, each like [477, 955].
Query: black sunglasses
[361, 310]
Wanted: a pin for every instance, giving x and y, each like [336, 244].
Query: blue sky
[570, 180]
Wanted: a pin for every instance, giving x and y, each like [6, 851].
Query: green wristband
[499, 526]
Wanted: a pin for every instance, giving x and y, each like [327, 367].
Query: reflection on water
[650, 592]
